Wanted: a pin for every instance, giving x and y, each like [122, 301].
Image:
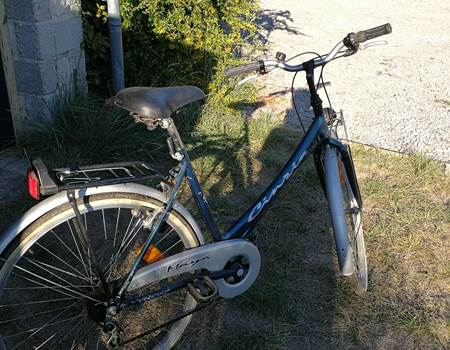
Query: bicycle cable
[318, 81]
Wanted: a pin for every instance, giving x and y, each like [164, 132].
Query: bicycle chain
[185, 314]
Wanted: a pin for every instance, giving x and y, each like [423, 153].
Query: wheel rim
[46, 284]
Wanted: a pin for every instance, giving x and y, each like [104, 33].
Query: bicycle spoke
[42, 284]
[38, 302]
[60, 278]
[34, 314]
[65, 245]
[123, 246]
[71, 330]
[104, 224]
[126, 231]
[170, 248]
[78, 249]
[73, 345]
[42, 266]
[49, 285]
[55, 284]
[46, 341]
[85, 221]
[127, 234]
[37, 330]
[31, 288]
[58, 258]
[117, 226]
[164, 237]
[113, 254]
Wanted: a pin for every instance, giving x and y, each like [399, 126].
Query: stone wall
[45, 37]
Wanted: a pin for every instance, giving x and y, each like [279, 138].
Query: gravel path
[395, 96]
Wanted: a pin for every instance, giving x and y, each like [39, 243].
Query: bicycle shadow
[292, 303]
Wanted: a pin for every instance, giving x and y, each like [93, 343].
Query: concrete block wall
[48, 60]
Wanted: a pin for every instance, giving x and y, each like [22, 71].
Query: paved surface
[395, 96]
[13, 168]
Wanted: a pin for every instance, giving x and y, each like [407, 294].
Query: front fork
[347, 160]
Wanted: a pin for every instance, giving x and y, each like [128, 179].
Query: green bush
[168, 42]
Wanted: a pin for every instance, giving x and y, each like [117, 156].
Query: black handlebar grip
[244, 69]
[368, 34]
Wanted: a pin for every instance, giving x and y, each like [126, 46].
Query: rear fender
[52, 202]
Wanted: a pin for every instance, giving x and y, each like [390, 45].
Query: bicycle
[86, 266]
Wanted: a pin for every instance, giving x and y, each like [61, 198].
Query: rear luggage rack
[62, 179]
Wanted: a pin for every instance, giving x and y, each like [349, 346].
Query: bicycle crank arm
[212, 257]
[184, 282]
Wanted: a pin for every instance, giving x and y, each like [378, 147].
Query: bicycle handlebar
[351, 42]
[372, 33]
[244, 69]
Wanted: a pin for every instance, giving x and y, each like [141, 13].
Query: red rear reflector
[33, 184]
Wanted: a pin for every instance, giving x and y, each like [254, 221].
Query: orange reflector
[33, 184]
[153, 254]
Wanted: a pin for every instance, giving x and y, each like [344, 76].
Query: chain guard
[211, 257]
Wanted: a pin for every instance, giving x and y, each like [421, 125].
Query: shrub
[168, 42]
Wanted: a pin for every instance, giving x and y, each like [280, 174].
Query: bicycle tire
[43, 250]
[346, 220]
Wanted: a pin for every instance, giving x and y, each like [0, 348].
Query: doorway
[6, 125]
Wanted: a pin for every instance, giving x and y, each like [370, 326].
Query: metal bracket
[86, 245]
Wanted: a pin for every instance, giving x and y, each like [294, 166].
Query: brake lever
[249, 78]
[373, 43]
[349, 52]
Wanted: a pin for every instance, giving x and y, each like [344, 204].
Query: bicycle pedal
[202, 288]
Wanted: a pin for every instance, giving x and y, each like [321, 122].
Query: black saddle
[157, 102]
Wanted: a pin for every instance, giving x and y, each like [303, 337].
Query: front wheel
[48, 298]
[346, 220]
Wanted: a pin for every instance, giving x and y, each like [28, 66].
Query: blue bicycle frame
[244, 225]
[317, 132]
[317, 135]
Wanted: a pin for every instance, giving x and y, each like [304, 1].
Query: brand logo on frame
[260, 206]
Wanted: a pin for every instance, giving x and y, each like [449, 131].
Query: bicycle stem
[316, 101]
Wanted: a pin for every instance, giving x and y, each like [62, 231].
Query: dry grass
[299, 302]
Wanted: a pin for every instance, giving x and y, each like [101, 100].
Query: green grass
[298, 301]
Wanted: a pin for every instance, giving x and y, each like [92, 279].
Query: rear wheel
[346, 219]
[48, 297]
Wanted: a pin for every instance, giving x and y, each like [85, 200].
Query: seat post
[174, 141]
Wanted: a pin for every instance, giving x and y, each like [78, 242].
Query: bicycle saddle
[157, 102]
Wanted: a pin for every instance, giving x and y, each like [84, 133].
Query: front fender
[58, 199]
[347, 160]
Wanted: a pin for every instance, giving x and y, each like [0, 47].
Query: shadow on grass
[292, 303]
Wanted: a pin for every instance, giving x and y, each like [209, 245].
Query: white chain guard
[212, 257]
